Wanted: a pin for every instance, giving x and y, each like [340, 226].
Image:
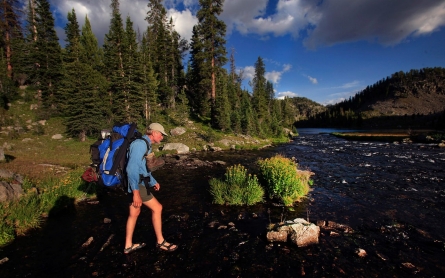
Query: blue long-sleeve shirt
[136, 165]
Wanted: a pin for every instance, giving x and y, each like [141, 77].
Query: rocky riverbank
[379, 207]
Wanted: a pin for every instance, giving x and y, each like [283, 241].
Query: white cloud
[248, 72]
[282, 95]
[273, 76]
[287, 67]
[184, 22]
[248, 16]
[313, 80]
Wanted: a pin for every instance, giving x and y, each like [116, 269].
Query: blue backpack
[110, 158]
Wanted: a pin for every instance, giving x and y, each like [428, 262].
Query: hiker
[138, 180]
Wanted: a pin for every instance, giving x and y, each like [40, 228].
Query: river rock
[177, 131]
[304, 233]
[10, 191]
[2, 155]
[179, 147]
[300, 232]
[57, 136]
[277, 236]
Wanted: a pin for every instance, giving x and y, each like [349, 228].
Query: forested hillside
[414, 99]
[133, 76]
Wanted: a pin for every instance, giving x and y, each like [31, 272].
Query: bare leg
[131, 224]
[156, 217]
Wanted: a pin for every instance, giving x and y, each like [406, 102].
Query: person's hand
[157, 187]
[137, 200]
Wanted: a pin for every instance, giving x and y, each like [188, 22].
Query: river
[390, 196]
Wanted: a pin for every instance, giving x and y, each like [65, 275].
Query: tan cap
[157, 127]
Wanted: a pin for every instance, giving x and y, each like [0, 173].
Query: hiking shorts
[145, 194]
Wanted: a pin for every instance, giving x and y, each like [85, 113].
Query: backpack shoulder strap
[147, 143]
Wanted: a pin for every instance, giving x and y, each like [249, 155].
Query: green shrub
[24, 214]
[283, 180]
[238, 188]
[49, 197]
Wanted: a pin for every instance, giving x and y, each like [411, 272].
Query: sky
[324, 50]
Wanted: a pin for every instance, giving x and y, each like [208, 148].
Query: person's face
[157, 136]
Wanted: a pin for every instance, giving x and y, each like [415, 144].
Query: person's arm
[142, 146]
[137, 200]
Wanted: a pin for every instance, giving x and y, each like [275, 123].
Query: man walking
[138, 180]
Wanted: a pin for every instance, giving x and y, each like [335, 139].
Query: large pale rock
[225, 142]
[179, 147]
[277, 236]
[2, 155]
[6, 174]
[10, 191]
[303, 233]
[57, 136]
[177, 131]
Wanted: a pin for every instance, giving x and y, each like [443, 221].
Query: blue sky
[325, 50]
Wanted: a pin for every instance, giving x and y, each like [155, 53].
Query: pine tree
[248, 119]
[72, 31]
[197, 96]
[222, 104]
[86, 108]
[90, 52]
[134, 76]
[233, 94]
[276, 119]
[166, 50]
[114, 67]
[208, 51]
[7, 89]
[157, 38]
[82, 89]
[10, 27]
[260, 102]
[261, 97]
[46, 56]
[149, 83]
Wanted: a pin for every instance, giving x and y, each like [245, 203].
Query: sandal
[133, 248]
[165, 246]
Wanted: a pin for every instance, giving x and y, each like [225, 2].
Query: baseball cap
[157, 127]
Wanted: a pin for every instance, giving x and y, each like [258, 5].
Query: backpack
[109, 154]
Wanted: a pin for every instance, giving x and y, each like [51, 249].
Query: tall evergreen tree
[72, 31]
[82, 89]
[166, 50]
[208, 50]
[149, 83]
[261, 97]
[85, 109]
[114, 67]
[133, 97]
[7, 89]
[157, 46]
[248, 119]
[46, 56]
[10, 27]
[197, 96]
[90, 51]
[222, 104]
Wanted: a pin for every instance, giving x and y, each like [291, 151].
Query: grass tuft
[238, 188]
